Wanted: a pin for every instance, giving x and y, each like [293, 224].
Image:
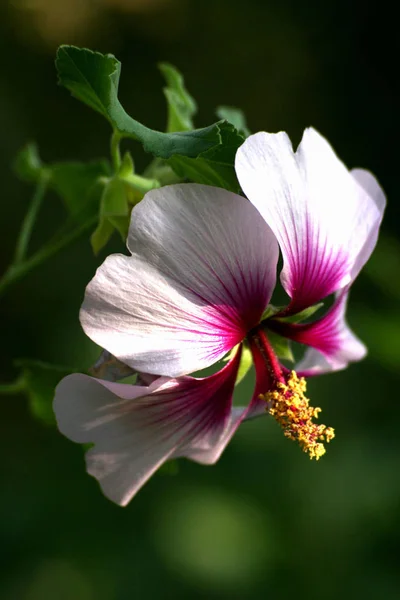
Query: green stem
[115, 151]
[17, 271]
[15, 387]
[141, 184]
[29, 221]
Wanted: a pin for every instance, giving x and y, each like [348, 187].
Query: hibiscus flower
[197, 285]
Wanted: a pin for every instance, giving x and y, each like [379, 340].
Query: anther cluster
[288, 404]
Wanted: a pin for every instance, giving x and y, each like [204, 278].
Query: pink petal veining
[135, 429]
[332, 343]
[323, 218]
[201, 273]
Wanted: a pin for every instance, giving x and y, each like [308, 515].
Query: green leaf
[114, 213]
[28, 165]
[101, 235]
[181, 105]
[121, 224]
[114, 202]
[120, 193]
[127, 165]
[281, 346]
[40, 381]
[77, 183]
[234, 116]
[93, 78]
[246, 360]
[302, 315]
[214, 166]
[270, 311]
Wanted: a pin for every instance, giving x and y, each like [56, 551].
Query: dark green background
[265, 521]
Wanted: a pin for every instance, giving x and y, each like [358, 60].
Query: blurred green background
[265, 521]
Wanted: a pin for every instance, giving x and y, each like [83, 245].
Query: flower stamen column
[287, 403]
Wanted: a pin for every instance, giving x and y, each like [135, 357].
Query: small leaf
[27, 164]
[101, 235]
[114, 213]
[93, 78]
[234, 116]
[118, 197]
[40, 382]
[181, 105]
[302, 315]
[281, 346]
[114, 206]
[246, 360]
[127, 165]
[77, 184]
[114, 202]
[121, 224]
[270, 311]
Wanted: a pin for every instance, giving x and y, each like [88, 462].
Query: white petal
[314, 206]
[202, 271]
[135, 429]
[369, 190]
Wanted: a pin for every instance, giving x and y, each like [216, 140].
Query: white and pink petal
[206, 453]
[323, 216]
[332, 344]
[135, 429]
[201, 273]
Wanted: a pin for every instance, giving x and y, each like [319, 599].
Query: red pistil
[286, 401]
[259, 339]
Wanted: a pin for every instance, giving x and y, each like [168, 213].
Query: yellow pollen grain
[289, 406]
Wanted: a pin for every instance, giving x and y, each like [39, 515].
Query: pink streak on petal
[206, 453]
[333, 344]
[135, 429]
[202, 271]
[323, 216]
[314, 273]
